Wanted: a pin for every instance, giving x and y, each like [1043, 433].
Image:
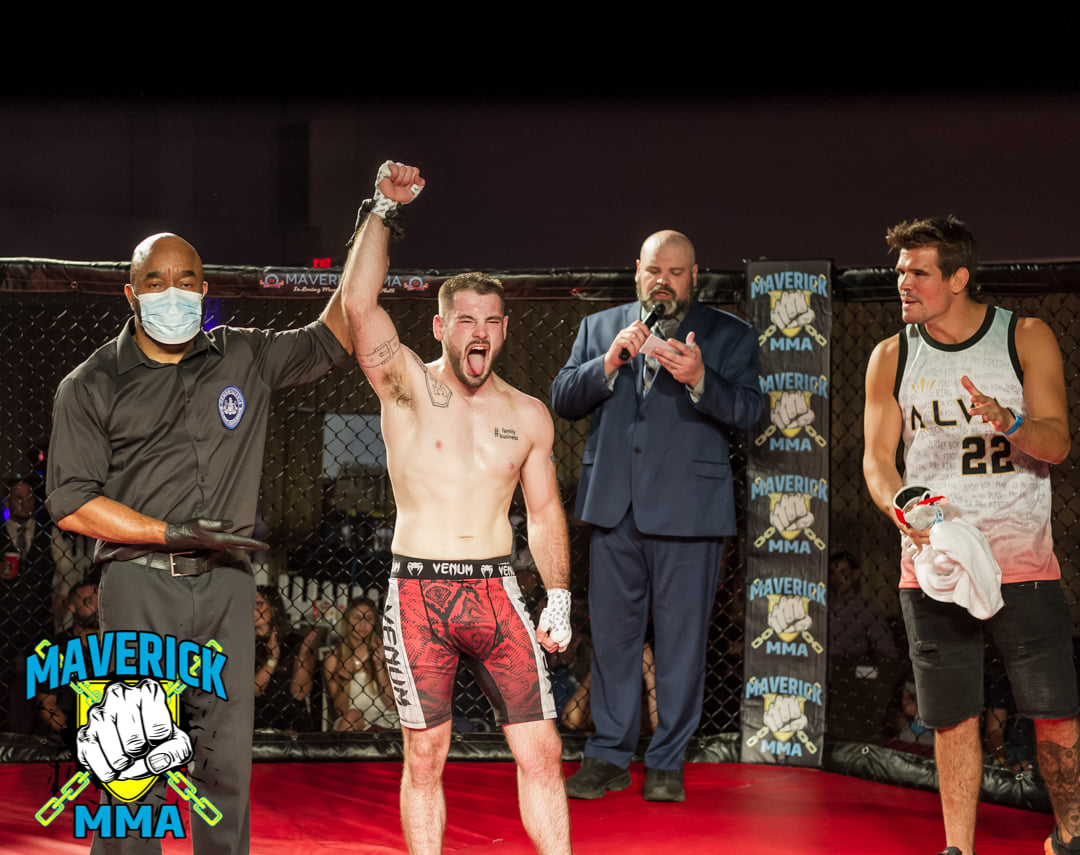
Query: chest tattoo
[506, 433]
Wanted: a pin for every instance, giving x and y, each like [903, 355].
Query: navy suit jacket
[661, 453]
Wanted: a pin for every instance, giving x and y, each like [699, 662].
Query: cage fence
[327, 509]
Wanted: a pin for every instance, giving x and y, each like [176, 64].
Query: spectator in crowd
[569, 669]
[56, 707]
[857, 628]
[356, 675]
[27, 566]
[284, 666]
[1007, 736]
[577, 714]
[864, 657]
[905, 728]
[73, 555]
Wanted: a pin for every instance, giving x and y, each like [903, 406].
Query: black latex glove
[207, 534]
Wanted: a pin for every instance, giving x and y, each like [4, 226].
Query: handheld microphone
[655, 314]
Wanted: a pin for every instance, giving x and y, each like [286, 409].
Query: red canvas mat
[302, 808]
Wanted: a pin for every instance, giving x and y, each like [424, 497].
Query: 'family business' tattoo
[506, 433]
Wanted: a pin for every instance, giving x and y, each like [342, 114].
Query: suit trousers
[678, 577]
[216, 605]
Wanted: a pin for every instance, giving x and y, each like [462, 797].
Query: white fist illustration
[791, 411]
[784, 715]
[130, 734]
[790, 513]
[789, 615]
[791, 310]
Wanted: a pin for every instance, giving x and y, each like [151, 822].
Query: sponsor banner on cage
[127, 687]
[787, 517]
[294, 282]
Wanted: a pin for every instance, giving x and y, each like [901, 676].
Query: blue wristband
[1019, 420]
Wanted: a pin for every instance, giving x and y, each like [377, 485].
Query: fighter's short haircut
[479, 283]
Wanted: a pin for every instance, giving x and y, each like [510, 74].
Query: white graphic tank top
[999, 489]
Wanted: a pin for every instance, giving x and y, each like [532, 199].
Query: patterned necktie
[664, 329]
[22, 539]
[651, 367]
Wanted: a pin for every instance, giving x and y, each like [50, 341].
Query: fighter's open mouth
[475, 358]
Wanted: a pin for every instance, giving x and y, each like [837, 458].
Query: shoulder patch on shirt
[231, 406]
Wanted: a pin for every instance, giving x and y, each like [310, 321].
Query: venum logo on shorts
[231, 406]
[487, 569]
[414, 567]
[460, 569]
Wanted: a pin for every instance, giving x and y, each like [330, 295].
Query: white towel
[958, 567]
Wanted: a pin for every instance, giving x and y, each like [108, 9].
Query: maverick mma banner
[783, 704]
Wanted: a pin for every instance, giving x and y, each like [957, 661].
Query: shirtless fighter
[459, 439]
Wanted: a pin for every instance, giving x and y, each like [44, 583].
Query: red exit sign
[320, 263]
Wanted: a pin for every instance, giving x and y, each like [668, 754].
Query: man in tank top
[977, 395]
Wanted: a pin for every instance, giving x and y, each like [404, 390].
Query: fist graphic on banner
[792, 310]
[785, 715]
[131, 734]
[791, 411]
[789, 616]
[791, 513]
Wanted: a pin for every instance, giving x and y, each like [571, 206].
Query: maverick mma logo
[787, 700]
[790, 498]
[789, 624]
[128, 687]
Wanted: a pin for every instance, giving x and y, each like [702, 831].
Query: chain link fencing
[328, 511]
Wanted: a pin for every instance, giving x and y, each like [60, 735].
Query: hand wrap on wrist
[385, 209]
[555, 619]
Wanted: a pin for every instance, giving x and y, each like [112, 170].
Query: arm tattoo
[439, 393]
[381, 355]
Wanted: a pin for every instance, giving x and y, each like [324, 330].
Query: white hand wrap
[555, 618]
[381, 204]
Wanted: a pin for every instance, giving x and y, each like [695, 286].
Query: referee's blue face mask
[172, 316]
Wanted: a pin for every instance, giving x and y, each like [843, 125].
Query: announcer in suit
[656, 485]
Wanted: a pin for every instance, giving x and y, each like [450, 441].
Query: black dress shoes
[596, 777]
[664, 785]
